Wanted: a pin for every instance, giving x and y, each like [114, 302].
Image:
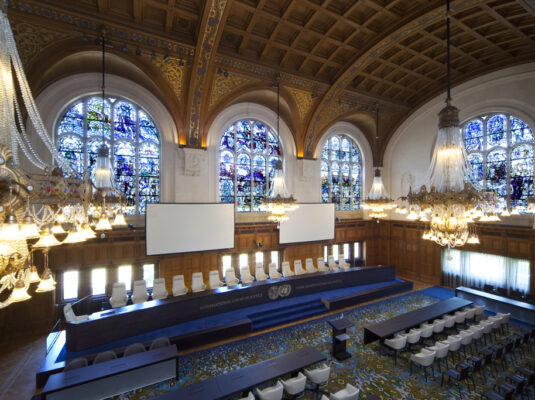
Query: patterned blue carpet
[367, 369]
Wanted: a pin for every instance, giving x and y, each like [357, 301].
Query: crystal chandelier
[452, 203]
[35, 208]
[279, 200]
[378, 200]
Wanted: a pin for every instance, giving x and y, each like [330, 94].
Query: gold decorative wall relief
[174, 71]
[303, 100]
[225, 82]
[32, 39]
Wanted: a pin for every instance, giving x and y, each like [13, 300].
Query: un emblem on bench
[275, 292]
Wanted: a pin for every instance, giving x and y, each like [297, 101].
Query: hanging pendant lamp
[378, 200]
[103, 170]
[279, 200]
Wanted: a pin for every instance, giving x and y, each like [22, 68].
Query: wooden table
[247, 378]
[384, 329]
[62, 385]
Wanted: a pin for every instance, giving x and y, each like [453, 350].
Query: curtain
[467, 268]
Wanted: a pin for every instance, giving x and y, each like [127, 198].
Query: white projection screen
[183, 228]
[310, 222]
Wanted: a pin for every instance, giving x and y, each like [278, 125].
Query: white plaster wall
[408, 153]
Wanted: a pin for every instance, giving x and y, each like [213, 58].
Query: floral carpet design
[369, 368]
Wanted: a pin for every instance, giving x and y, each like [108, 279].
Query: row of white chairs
[119, 297]
[453, 343]
[426, 330]
[460, 341]
[297, 385]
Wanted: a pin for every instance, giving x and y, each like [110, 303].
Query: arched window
[341, 171]
[248, 152]
[131, 136]
[499, 150]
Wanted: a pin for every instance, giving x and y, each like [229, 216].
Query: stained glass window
[499, 151]
[131, 136]
[248, 152]
[341, 173]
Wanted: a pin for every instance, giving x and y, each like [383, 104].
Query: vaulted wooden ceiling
[387, 51]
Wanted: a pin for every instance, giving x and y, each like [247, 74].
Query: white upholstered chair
[441, 352]
[342, 263]
[479, 311]
[470, 313]
[318, 376]
[118, 295]
[426, 330]
[295, 385]
[158, 289]
[230, 277]
[460, 316]
[213, 279]
[179, 288]
[413, 336]
[331, 263]
[348, 393]
[438, 325]
[467, 337]
[454, 342]
[286, 270]
[272, 392]
[425, 358]
[139, 292]
[309, 266]
[246, 276]
[250, 396]
[260, 273]
[396, 343]
[197, 282]
[134, 348]
[321, 265]
[298, 268]
[273, 273]
[70, 316]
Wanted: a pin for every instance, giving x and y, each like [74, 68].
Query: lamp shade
[34, 276]
[47, 239]
[103, 223]
[119, 219]
[47, 284]
[19, 292]
[103, 171]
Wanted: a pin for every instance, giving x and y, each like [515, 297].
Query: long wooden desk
[243, 379]
[384, 329]
[62, 385]
[519, 310]
[131, 320]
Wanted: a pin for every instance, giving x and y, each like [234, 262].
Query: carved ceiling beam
[528, 5]
[209, 34]
[408, 26]
[169, 15]
[250, 26]
[504, 21]
[103, 6]
[138, 11]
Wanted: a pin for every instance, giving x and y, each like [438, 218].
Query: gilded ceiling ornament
[303, 100]
[32, 39]
[226, 83]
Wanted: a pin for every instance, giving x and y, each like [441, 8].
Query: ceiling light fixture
[452, 201]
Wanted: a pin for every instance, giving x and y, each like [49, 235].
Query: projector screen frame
[195, 251]
[311, 241]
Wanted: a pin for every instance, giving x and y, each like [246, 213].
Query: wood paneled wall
[126, 246]
[421, 259]
[385, 243]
